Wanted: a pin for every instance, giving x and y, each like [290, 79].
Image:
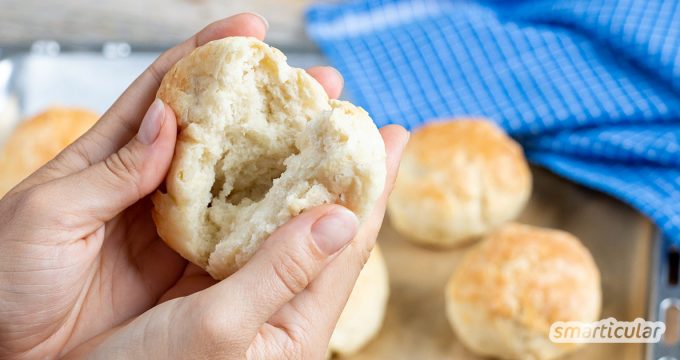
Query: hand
[82, 270]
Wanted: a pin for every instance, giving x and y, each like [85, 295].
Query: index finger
[120, 123]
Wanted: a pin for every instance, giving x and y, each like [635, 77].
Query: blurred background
[149, 22]
[590, 89]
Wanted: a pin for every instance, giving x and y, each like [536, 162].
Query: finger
[98, 193]
[330, 78]
[120, 123]
[288, 261]
[214, 317]
[228, 315]
[193, 280]
[326, 296]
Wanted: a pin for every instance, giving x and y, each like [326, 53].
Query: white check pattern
[591, 88]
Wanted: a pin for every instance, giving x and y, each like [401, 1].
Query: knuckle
[268, 346]
[113, 115]
[154, 70]
[30, 198]
[32, 201]
[213, 329]
[79, 151]
[215, 326]
[299, 330]
[36, 205]
[293, 349]
[294, 270]
[125, 166]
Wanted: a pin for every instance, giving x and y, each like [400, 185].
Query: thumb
[287, 262]
[106, 188]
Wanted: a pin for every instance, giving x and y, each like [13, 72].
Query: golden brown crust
[540, 272]
[39, 139]
[480, 140]
[526, 276]
[458, 179]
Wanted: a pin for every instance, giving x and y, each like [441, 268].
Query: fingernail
[264, 20]
[342, 78]
[334, 230]
[151, 124]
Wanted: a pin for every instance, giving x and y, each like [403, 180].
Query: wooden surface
[415, 324]
[146, 22]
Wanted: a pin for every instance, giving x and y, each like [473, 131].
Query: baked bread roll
[510, 288]
[258, 143]
[38, 140]
[363, 315]
[9, 116]
[457, 181]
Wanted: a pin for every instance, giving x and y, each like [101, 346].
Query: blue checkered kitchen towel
[591, 88]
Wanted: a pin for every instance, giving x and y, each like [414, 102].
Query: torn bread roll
[258, 143]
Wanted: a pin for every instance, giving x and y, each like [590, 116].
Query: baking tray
[48, 73]
[622, 242]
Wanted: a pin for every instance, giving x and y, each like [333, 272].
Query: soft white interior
[261, 142]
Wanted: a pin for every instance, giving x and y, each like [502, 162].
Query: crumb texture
[259, 142]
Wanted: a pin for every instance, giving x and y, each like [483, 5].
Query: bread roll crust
[38, 140]
[258, 143]
[363, 314]
[458, 180]
[510, 288]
